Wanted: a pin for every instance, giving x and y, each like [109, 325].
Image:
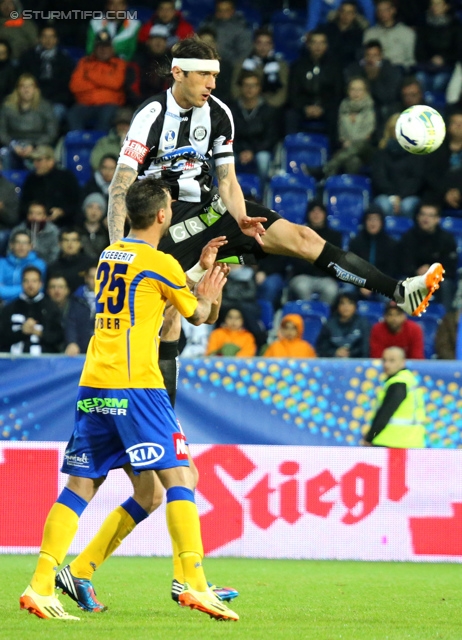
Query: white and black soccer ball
[420, 129]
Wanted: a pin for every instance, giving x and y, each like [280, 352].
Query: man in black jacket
[32, 322]
[427, 242]
[58, 189]
[72, 262]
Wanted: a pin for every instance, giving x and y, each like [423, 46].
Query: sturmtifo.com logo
[113, 406]
[73, 14]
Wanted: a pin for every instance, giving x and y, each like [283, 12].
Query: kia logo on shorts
[145, 453]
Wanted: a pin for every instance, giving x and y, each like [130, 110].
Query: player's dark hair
[32, 268]
[192, 47]
[144, 199]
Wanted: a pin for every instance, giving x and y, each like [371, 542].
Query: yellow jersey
[133, 282]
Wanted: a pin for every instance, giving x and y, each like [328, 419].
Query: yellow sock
[60, 528]
[184, 528]
[114, 529]
[177, 566]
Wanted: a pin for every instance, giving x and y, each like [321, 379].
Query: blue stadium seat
[17, 177]
[307, 307]
[143, 13]
[302, 150]
[347, 194]
[289, 38]
[77, 150]
[435, 310]
[395, 226]
[346, 225]
[454, 225]
[250, 185]
[251, 14]
[196, 11]
[371, 309]
[312, 328]
[289, 196]
[429, 326]
[288, 16]
[75, 53]
[266, 313]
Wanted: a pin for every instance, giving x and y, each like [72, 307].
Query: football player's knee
[306, 242]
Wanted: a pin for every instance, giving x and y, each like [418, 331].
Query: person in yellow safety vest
[400, 417]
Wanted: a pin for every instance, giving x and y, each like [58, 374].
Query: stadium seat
[250, 185]
[435, 310]
[371, 309]
[395, 226]
[143, 13]
[429, 326]
[289, 196]
[75, 53]
[77, 149]
[307, 307]
[346, 225]
[196, 11]
[454, 225]
[16, 177]
[303, 150]
[288, 39]
[348, 194]
[251, 14]
[266, 313]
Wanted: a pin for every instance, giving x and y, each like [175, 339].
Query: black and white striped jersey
[175, 144]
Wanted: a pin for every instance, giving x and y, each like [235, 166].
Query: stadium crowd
[333, 75]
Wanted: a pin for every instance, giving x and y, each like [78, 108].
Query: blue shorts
[114, 427]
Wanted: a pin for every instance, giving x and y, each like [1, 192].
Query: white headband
[196, 64]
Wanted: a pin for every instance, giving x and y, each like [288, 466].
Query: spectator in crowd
[399, 421]
[396, 330]
[315, 88]
[271, 278]
[72, 261]
[411, 93]
[222, 90]
[345, 334]
[32, 322]
[8, 72]
[306, 278]
[319, 11]
[453, 93]
[20, 255]
[372, 243]
[446, 335]
[102, 176]
[19, 33]
[58, 291]
[273, 69]
[52, 67]
[99, 84]
[43, 233]
[437, 46]
[122, 30]
[56, 188]
[439, 165]
[9, 208]
[398, 40]
[356, 124]
[256, 130]
[80, 318]
[232, 339]
[111, 144]
[345, 32]
[26, 120]
[166, 15]
[234, 36]
[426, 243]
[382, 77]
[151, 59]
[397, 176]
[195, 339]
[290, 343]
[94, 234]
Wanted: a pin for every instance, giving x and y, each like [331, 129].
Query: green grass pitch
[279, 600]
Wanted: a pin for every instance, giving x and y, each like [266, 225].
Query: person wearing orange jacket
[98, 84]
[232, 339]
[290, 343]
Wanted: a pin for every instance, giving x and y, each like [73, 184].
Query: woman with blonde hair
[26, 120]
[397, 175]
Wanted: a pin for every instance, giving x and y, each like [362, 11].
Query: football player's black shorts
[193, 225]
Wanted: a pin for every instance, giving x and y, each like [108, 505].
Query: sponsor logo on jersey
[199, 133]
[175, 116]
[136, 151]
[170, 139]
[145, 453]
[118, 256]
[347, 276]
[112, 406]
[183, 153]
[179, 442]
[73, 460]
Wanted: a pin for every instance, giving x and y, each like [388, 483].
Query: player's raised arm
[233, 198]
[124, 176]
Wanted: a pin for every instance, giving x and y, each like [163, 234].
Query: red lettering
[315, 488]
[359, 489]
[259, 504]
[225, 522]
[438, 536]
[289, 493]
[396, 481]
